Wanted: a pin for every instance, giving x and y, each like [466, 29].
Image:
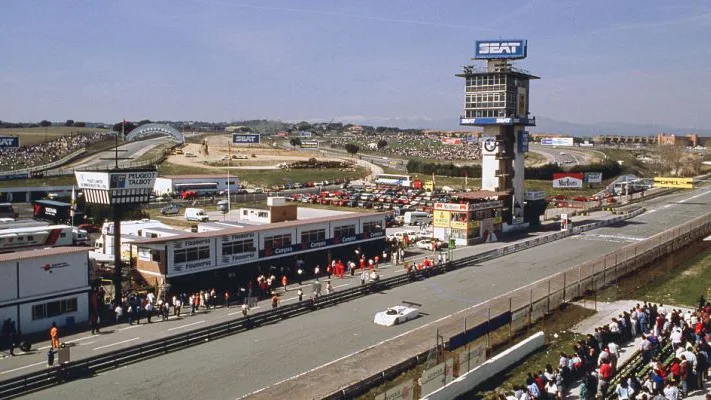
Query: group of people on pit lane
[594, 361]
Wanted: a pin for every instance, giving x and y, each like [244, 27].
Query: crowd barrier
[89, 366]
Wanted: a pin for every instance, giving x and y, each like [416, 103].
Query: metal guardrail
[88, 366]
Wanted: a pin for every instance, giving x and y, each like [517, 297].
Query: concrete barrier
[488, 369]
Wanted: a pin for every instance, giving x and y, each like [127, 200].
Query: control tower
[496, 98]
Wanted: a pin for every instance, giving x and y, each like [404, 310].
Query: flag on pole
[73, 202]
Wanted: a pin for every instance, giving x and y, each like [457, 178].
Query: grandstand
[12, 159]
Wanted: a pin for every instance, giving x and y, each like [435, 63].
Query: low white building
[39, 287]
[201, 184]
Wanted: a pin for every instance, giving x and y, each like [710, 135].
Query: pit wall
[489, 369]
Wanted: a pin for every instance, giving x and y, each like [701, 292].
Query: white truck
[196, 214]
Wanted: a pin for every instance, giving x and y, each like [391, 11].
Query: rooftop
[479, 195]
[54, 251]
[260, 228]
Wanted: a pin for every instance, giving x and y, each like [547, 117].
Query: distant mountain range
[543, 125]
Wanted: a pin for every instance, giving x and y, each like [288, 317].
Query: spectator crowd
[402, 145]
[671, 374]
[12, 159]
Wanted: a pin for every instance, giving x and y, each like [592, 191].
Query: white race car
[395, 315]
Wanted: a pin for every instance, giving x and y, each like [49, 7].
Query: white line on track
[667, 206]
[129, 327]
[69, 341]
[116, 344]
[26, 366]
[344, 357]
[185, 326]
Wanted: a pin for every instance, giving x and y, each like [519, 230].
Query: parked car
[170, 209]
[395, 315]
[89, 228]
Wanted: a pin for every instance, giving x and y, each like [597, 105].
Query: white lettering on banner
[7, 142]
[503, 120]
[314, 245]
[198, 264]
[283, 250]
[377, 234]
[567, 182]
[238, 237]
[50, 211]
[499, 48]
[349, 239]
[189, 243]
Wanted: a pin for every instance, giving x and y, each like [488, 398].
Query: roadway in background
[238, 365]
[134, 150]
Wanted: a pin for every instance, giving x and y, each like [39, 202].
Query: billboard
[593, 177]
[557, 141]
[309, 144]
[116, 180]
[440, 219]
[9, 141]
[673, 182]
[448, 140]
[245, 138]
[566, 180]
[304, 133]
[522, 141]
[493, 49]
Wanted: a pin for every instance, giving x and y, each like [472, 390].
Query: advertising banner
[245, 138]
[565, 180]
[593, 177]
[304, 133]
[432, 379]
[451, 140]
[494, 49]
[522, 141]
[309, 144]
[557, 141]
[451, 207]
[9, 141]
[672, 182]
[440, 219]
[132, 180]
[92, 180]
[403, 391]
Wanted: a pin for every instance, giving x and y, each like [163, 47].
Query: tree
[44, 123]
[70, 122]
[80, 124]
[144, 122]
[382, 143]
[352, 148]
[671, 156]
[295, 142]
[128, 128]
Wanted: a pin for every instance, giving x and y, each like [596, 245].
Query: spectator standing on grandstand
[623, 390]
[671, 392]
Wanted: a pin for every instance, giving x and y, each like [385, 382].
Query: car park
[395, 315]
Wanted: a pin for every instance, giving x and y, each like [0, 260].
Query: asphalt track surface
[235, 366]
[131, 149]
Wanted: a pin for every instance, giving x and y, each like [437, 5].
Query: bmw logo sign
[490, 144]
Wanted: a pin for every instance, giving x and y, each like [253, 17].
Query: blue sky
[600, 61]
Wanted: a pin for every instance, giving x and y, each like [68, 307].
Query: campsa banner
[245, 138]
[564, 180]
[9, 141]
